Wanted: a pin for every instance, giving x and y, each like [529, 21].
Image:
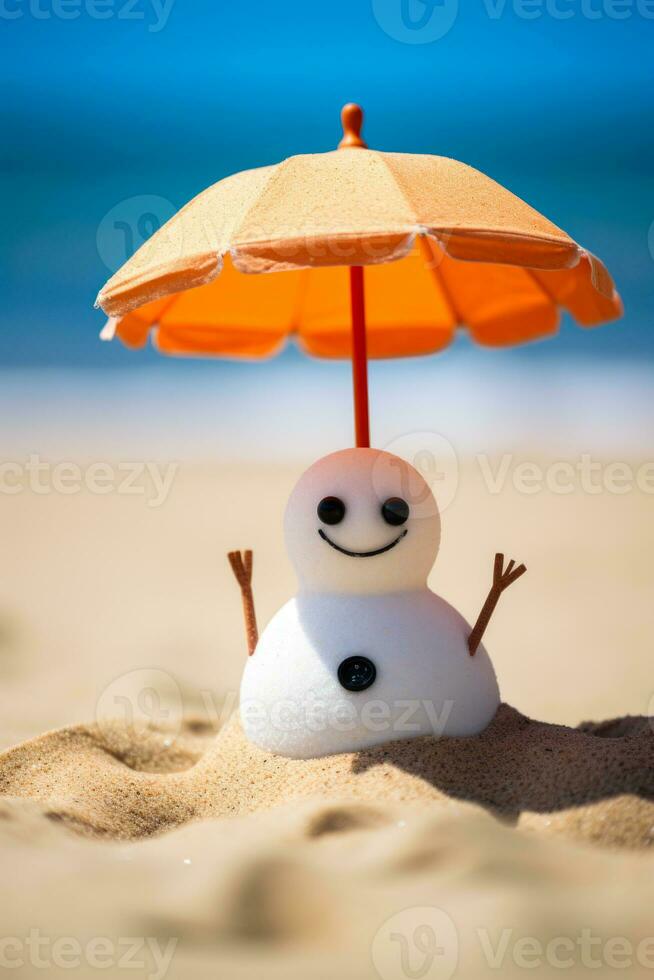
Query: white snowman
[365, 653]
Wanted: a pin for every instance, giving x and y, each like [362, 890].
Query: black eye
[395, 511]
[331, 510]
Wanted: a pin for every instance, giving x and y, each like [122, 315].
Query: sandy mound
[594, 783]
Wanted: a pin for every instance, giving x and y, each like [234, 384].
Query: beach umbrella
[442, 245]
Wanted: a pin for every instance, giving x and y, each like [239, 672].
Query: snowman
[365, 653]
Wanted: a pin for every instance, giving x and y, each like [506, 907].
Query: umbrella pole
[359, 358]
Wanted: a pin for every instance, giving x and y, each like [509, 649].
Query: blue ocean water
[106, 101]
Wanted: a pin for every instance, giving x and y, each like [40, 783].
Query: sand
[527, 847]
[593, 784]
[239, 863]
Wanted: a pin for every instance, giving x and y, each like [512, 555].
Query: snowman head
[362, 521]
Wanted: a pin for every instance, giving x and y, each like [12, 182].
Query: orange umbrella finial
[352, 120]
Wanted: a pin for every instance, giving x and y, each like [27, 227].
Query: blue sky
[159, 98]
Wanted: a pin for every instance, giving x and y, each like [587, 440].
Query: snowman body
[365, 653]
[426, 683]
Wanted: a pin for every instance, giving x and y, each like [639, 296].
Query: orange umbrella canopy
[413, 306]
[443, 246]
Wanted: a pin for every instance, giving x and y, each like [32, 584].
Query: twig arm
[242, 567]
[502, 579]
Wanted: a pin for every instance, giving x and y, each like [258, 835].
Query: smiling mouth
[362, 554]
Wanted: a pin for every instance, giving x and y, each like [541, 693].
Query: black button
[356, 673]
